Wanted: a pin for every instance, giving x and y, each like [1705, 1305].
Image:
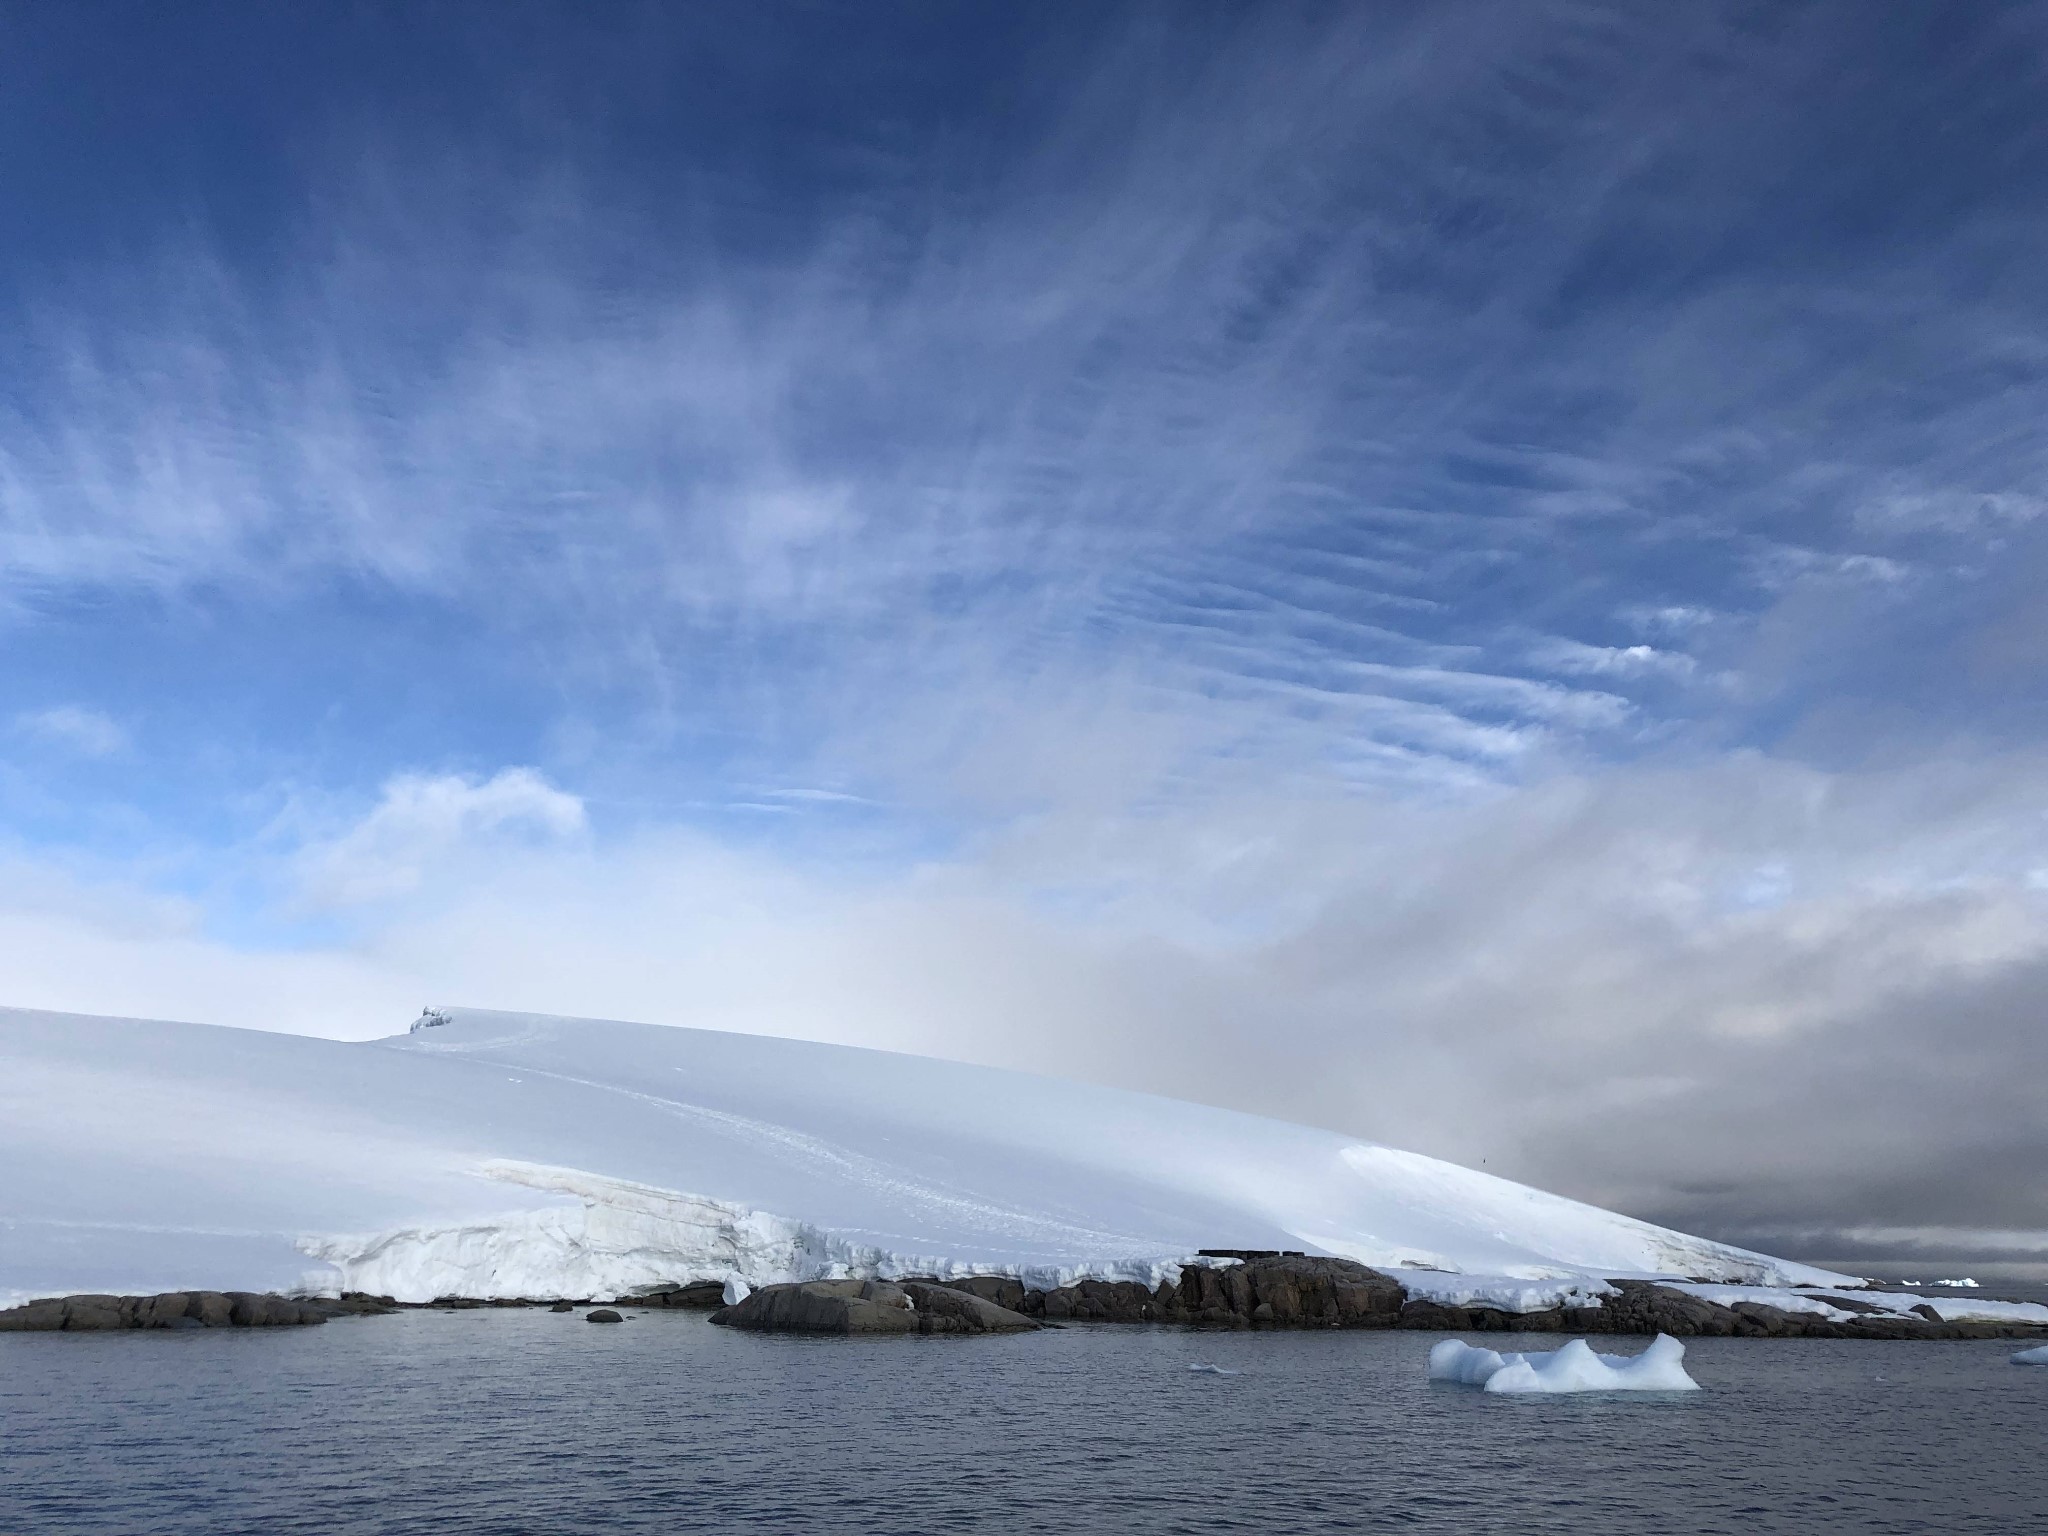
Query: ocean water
[453, 1423]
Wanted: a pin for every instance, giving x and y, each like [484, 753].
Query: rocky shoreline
[1293, 1291]
[1247, 1291]
[184, 1309]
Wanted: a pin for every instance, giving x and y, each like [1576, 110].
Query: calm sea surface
[453, 1423]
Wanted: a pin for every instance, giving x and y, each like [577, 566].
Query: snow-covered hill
[520, 1155]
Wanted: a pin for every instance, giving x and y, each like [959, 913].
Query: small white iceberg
[1574, 1368]
[736, 1291]
[1202, 1368]
[2036, 1356]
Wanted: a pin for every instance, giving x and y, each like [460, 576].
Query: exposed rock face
[1266, 1291]
[181, 1309]
[1436, 1316]
[1280, 1291]
[1644, 1307]
[868, 1306]
[1294, 1291]
[704, 1295]
[1291, 1291]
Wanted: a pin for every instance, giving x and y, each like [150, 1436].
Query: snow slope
[514, 1154]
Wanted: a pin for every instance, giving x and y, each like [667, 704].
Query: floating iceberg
[736, 1291]
[1574, 1368]
[2036, 1356]
[1201, 1368]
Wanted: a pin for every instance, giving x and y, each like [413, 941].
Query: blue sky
[1120, 536]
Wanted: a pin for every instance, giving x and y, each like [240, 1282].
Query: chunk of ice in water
[1574, 1368]
[2037, 1356]
[1203, 1369]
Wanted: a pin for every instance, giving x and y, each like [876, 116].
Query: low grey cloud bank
[1735, 997]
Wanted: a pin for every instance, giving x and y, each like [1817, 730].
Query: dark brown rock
[1306, 1292]
[698, 1295]
[1434, 1315]
[1004, 1291]
[945, 1309]
[868, 1306]
[602, 1315]
[36, 1317]
[248, 1309]
[171, 1309]
[92, 1314]
[1280, 1291]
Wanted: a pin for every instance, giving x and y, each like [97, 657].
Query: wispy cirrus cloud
[1259, 418]
[73, 728]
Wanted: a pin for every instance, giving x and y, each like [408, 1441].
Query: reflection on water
[472, 1422]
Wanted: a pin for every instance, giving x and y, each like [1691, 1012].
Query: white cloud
[1577, 659]
[1669, 619]
[74, 728]
[424, 821]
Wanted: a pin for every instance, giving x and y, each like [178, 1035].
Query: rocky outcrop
[868, 1306]
[1644, 1307]
[1265, 1290]
[1435, 1316]
[1290, 1291]
[182, 1309]
[1296, 1291]
[698, 1295]
[602, 1315]
[1271, 1291]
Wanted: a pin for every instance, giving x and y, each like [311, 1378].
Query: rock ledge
[183, 1309]
[869, 1306]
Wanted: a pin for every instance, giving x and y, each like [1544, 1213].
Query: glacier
[491, 1154]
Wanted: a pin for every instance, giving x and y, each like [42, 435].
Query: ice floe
[1573, 1368]
[2038, 1356]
